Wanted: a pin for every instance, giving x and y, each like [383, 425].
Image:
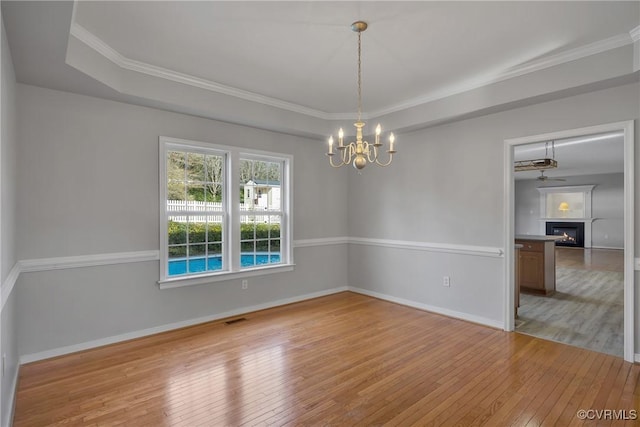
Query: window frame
[231, 246]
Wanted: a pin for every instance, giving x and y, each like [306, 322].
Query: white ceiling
[305, 53]
[291, 66]
[588, 155]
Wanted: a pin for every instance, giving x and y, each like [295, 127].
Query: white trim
[637, 264]
[637, 357]
[629, 218]
[635, 34]
[536, 65]
[567, 189]
[7, 419]
[431, 308]
[607, 247]
[9, 283]
[59, 263]
[324, 241]
[98, 45]
[203, 279]
[33, 357]
[430, 247]
[102, 48]
[589, 220]
[629, 241]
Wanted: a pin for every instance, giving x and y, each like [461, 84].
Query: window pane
[176, 189]
[197, 251]
[260, 185]
[213, 168]
[214, 256]
[197, 230]
[195, 167]
[195, 192]
[177, 260]
[260, 240]
[248, 247]
[177, 230]
[214, 230]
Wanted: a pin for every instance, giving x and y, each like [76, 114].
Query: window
[210, 231]
[261, 211]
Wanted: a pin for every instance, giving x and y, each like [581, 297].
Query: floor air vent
[231, 322]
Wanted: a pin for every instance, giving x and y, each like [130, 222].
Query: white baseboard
[7, 419]
[33, 357]
[426, 307]
[636, 357]
[606, 247]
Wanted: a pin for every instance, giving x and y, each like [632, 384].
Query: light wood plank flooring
[588, 308]
[344, 359]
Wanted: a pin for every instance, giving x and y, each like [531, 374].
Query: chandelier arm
[368, 149]
[385, 164]
[374, 151]
[347, 154]
[335, 165]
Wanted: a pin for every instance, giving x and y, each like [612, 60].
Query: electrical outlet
[446, 281]
[245, 284]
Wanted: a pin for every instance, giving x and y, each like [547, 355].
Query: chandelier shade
[359, 153]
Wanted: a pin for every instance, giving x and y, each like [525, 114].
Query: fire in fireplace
[572, 233]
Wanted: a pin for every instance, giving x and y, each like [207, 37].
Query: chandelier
[360, 152]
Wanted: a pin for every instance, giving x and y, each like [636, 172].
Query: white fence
[182, 207]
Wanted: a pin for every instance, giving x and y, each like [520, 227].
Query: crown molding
[533, 66]
[98, 45]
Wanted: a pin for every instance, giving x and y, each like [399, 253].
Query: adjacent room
[580, 197]
[311, 213]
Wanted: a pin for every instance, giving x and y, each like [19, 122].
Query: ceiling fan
[544, 177]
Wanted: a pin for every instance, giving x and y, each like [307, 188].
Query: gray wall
[8, 142]
[447, 186]
[607, 206]
[88, 180]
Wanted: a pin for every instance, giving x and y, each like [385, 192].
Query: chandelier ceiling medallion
[360, 152]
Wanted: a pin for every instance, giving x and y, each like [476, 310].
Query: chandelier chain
[359, 76]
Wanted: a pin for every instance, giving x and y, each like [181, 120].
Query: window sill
[179, 282]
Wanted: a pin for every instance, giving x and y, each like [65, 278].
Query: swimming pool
[199, 264]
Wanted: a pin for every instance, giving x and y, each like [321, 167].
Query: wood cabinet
[537, 265]
[517, 279]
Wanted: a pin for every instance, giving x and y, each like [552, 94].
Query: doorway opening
[586, 277]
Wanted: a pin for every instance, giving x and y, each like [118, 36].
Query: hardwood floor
[587, 309]
[590, 259]
[344, 359]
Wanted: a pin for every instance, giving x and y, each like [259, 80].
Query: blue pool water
[197, 265]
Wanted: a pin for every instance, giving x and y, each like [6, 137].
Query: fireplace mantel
[587, 220]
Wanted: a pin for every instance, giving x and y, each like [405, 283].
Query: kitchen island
[537, 264]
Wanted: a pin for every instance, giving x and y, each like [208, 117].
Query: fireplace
[573, 233]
